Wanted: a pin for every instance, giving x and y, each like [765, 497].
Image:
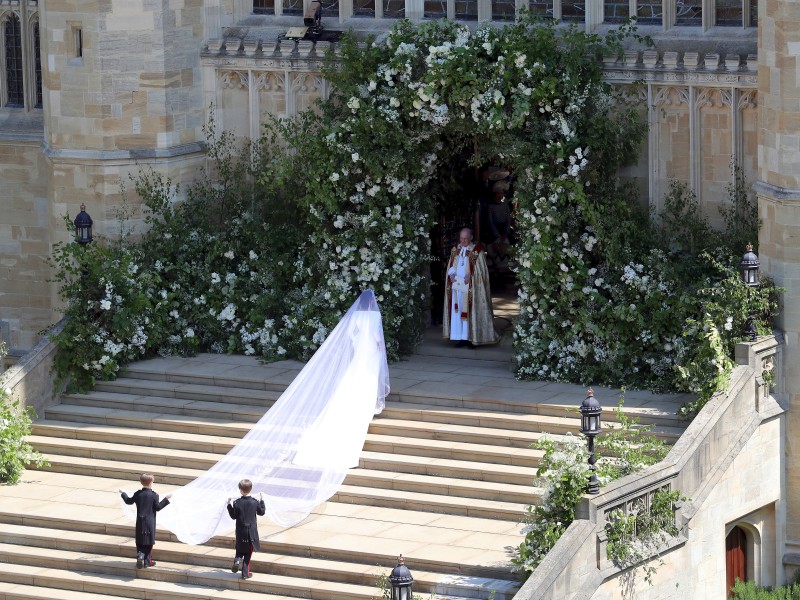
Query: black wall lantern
[749, 269]
[401, 581]
[83, 226]
[591, 427]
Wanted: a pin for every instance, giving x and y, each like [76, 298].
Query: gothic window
[689, 12]
[616, 11]
[20, 66]
[394, 9]
[573, 10]
[467, 10]
[264, 7]
[541, 8]
[682, 13]
[649, 12]
[37, 65]
[293, 7]
[503, 10]
[435, 9]
[364, 8]
[12, 33]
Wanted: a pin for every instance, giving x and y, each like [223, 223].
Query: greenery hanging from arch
[531, 93]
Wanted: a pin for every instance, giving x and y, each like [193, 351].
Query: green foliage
[626, 447]
[15, 425]
[565, 461]
[750, 591]
[636, 536]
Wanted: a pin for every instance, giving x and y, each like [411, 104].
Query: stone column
[778, 192]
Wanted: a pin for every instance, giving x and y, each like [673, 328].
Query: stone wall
[25, 225]
[747, 494]
[779, 208]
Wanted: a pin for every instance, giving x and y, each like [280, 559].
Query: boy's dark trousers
[246, 561]
[147, 551]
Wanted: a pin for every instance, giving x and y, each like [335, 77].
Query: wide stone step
[531, 424]
[442, 467]
[430, 501]
[204, 455]
[165, 581]
[189, 391]
[174, 406]
[15, 591]
[92, 415]
[268, 563]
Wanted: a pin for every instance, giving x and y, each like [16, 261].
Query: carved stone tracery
[234, 80]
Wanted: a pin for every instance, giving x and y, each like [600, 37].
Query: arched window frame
[29, 19]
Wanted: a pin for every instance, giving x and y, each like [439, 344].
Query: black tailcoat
[147, 505]
[244, 510]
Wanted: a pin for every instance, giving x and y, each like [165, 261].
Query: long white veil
[298, 454]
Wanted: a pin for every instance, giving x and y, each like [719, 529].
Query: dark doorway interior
[480, 198]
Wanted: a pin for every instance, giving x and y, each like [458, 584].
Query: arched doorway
[735, 557]
[470, 191]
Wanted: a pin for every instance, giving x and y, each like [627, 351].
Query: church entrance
[735, 557]
[479, 198]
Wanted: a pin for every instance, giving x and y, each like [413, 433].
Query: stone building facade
[93, 91]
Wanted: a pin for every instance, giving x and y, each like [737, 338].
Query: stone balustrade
[578, 564]
[31, 377]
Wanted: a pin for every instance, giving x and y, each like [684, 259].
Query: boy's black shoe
[140, 560]
[246, 576]
[237, 562]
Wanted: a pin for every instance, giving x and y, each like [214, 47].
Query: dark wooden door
[735, 557]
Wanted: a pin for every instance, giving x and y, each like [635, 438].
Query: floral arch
[531, 93]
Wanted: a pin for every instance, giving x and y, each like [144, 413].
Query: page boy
[244, 510]
[147, 505]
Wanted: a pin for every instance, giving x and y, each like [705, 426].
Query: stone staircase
[445, 472]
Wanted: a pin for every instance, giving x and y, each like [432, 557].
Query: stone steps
[435, 497]
[444, 475]
[41, 541]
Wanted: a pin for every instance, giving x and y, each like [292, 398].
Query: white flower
[394, 102]
[353, 104]
[355, 156]
[189, 333]
[229, 254]
[174, 314]
[7, 391]
[253, 255]
[215, 278]
[563, 267]
[334, 176]
[372, 85]
[105, 305]
[728, 324]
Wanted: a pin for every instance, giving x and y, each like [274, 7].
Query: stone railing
[578, 563]
[30, 378]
